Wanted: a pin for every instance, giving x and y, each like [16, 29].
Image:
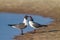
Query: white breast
[31, 24]
[25, 21]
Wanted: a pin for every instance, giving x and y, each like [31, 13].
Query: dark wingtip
[45, 25]
[9, 25]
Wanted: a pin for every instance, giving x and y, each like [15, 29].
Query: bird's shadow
[53, 30]
[50, 31]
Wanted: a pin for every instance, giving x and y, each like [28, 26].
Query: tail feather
[45, 25]
[10, 25]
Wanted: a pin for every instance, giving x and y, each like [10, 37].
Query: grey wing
[37, 25]
[21, 25]
[15, 24]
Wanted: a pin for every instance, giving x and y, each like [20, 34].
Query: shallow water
[7, 33]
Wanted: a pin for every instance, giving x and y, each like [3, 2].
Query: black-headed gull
[20, 26]
[34, 24]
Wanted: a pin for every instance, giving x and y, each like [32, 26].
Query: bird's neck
[31, 20]
[25, 21]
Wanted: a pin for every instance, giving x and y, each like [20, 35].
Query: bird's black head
[25, 16]
[31, 19]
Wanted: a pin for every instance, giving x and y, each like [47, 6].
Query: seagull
[34, 24]
[20, 26]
